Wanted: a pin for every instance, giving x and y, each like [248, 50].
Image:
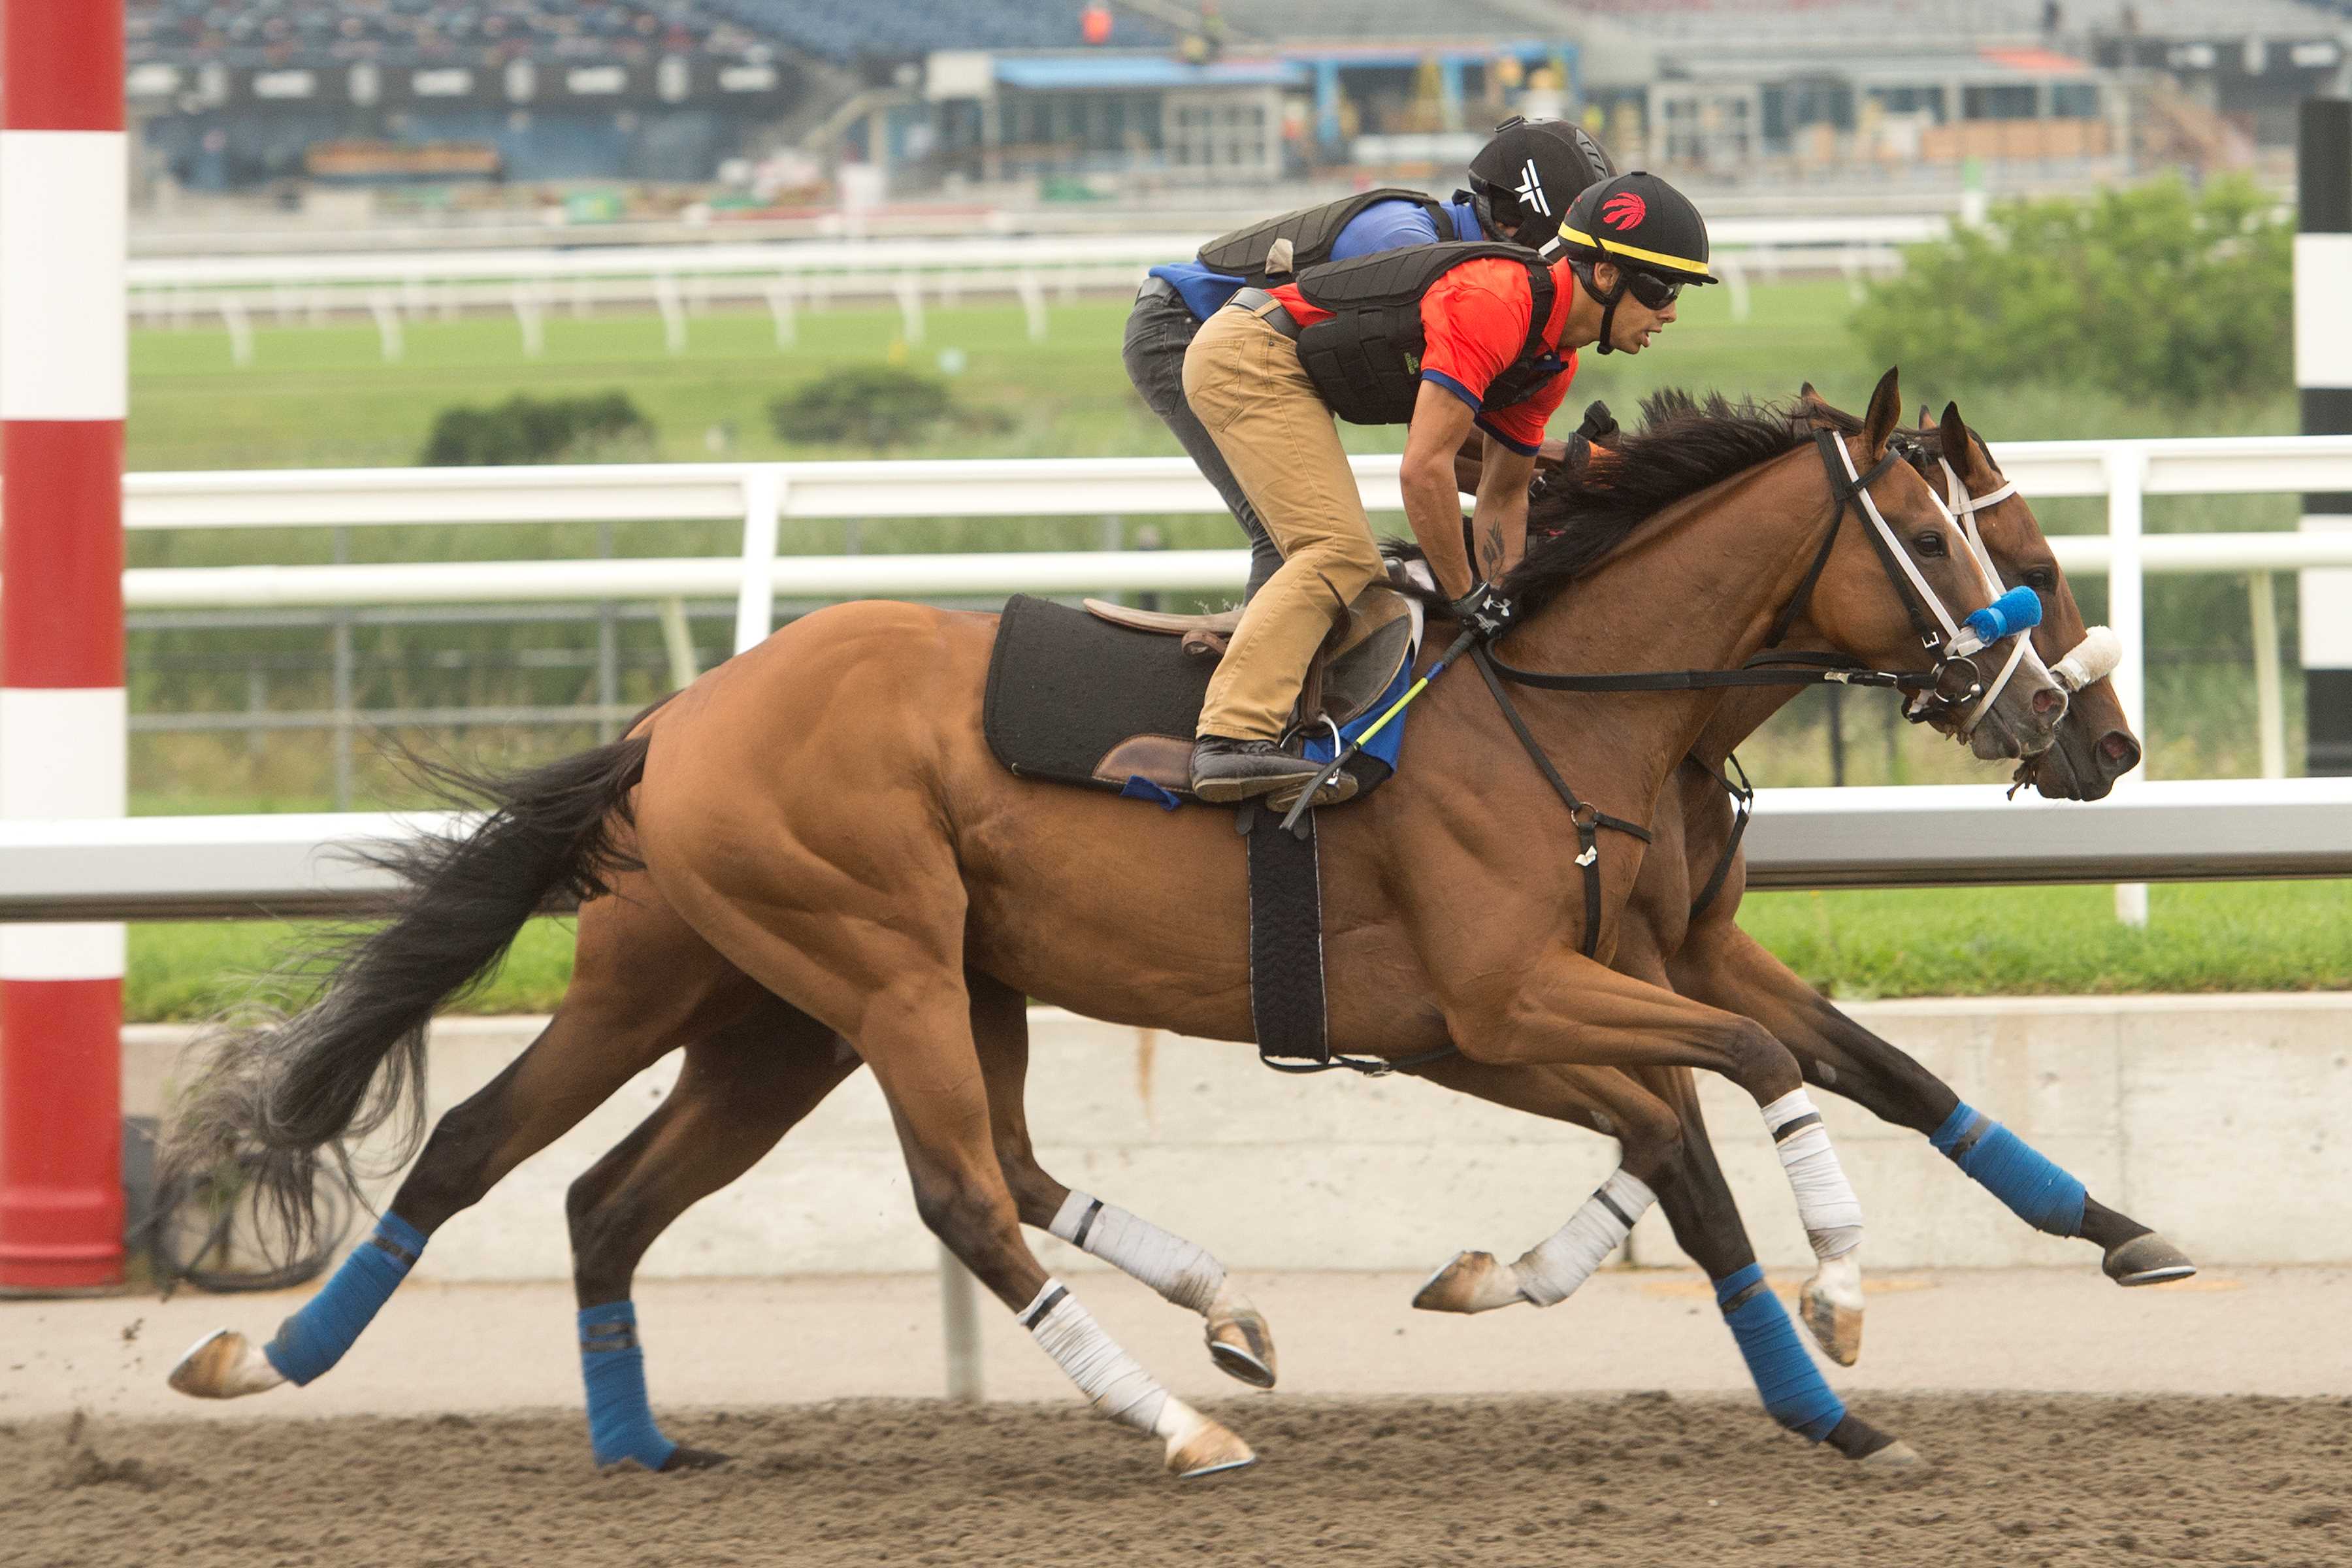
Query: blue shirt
[1384, 226]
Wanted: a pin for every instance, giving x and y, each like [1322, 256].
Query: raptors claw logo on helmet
[1623, 210]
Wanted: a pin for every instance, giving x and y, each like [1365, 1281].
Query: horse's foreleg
[740, 1092]
[1566, 1009]
[1181, 1271]
[1697, 1202]
[1600, 1099]
[1723, 965]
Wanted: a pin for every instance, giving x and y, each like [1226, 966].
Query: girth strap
[1288, 1006]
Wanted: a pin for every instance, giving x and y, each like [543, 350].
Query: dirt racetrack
[1639, 1479]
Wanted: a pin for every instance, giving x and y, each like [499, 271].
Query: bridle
[2087, 662]
[1948, 643]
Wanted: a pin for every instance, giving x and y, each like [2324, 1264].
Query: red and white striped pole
[64, 197]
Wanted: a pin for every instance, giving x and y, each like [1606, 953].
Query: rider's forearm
[1469, 462]
[1499, 526]
[1433, 507]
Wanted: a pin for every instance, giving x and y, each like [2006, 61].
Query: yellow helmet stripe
[1654, 257]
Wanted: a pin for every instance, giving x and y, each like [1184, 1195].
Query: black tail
[275, 1093]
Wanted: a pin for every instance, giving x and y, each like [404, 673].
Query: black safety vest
[1250, 252]
[1366, 360]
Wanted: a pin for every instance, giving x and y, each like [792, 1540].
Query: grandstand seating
[1799, 21]
[849, 29]
[1373, 21]
[424, 32]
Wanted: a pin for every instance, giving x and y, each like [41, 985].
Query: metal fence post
[755, 599]
[2126, 465]
[960, 1324]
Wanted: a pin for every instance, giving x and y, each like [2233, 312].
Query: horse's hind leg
[740, 1092]
[642, 984]
[1723, 965]
[1181, 1271]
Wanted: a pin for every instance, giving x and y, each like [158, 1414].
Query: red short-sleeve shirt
[1475, 322]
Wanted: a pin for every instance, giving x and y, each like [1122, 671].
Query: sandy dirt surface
[2204, 1423]
[1639, 1478]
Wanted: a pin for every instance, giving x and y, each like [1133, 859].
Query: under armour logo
[1530, 188]
[1623, 210]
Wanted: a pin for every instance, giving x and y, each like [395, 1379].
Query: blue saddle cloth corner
[1387, 745]
[1138, 787]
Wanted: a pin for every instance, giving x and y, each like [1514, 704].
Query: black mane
[1684, 446]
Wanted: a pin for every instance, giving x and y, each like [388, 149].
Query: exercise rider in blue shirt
[1521, 185]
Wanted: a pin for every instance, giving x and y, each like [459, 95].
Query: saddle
[1355, 666]
[1110, 697]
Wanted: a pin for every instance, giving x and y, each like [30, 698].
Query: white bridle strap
[1967, 506]
[1870, 510]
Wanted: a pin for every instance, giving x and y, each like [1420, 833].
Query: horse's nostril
[2118, 753]
[2048, 699]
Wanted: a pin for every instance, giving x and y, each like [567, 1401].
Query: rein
[1946, 640]
[1941, 637]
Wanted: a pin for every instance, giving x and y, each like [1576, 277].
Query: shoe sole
[1231, 792]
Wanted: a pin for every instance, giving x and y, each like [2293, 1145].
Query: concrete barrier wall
[2215, 1118]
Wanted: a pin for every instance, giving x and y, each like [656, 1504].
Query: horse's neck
[1739, 715]
[1697, 587]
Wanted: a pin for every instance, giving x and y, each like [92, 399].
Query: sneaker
[1225, 770]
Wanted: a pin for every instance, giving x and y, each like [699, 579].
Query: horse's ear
[1923, 416]
[1807, 394]
[1885, 411]
[1954, 440]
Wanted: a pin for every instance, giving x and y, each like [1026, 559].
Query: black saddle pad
[1079, 701]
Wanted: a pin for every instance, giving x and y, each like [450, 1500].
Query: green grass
[1975, 942]
[324, 397]
[182, 971]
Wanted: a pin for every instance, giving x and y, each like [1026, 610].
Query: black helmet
[1522, 182]
[1642, 223]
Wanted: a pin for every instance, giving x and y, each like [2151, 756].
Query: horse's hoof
[1831, 1305]
[1242, 1345]
[2147, 1259]
[223, 1365]
[1198, 1445]
[685, 1458]
[1896, 1455]
[1473, 1282]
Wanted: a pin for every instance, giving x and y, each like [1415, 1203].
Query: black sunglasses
[1653, 292]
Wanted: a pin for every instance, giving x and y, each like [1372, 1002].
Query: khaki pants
[1244, 381]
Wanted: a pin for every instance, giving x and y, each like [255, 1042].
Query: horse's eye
[2041, 579]
[1929, 543]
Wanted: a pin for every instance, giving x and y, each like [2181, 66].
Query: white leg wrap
[1181, 1270]
[1825, 1199]
[1104, 1373]
[1549, 1273]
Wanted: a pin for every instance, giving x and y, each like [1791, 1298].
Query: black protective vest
[1366, 360]
[1311, 232]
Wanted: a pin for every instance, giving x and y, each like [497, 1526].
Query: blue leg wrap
[1795, 1393]
[2043, 1195]
[613, 1365]
[315, 1338]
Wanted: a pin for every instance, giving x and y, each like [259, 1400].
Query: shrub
[873, 405]
[2157, 292]
[525, 429]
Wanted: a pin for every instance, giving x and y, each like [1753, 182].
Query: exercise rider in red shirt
[1439, 338]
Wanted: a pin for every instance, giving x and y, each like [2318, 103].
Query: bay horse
[823, 814]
